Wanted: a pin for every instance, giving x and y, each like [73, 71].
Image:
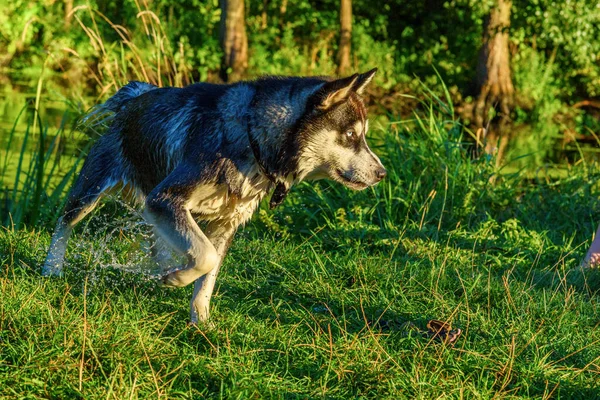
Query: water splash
[123, 240]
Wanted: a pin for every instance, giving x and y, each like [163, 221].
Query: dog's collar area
[279, 194]
[281, 189]
[256, 153]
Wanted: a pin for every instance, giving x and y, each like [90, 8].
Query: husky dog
[211, 153]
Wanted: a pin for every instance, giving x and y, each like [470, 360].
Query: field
[329, 295]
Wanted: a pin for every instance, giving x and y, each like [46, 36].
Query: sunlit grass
[301, 317]
[36, 173]
[122, 61]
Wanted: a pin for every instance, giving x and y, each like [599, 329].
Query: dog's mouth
[351, 183]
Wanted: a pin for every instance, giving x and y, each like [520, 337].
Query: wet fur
[213, 152]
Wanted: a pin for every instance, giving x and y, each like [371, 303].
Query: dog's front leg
[167, 208]
[220, 234]
[160, 251]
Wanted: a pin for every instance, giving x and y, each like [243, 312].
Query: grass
[34, 181]
[121, 61]
[329, 295]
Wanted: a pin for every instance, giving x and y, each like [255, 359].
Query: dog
[211, 152]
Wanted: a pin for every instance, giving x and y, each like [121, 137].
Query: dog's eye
[350, 133]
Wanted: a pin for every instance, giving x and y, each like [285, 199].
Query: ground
[329, 295]
[297, 317]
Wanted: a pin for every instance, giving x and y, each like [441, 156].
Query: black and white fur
[211, 153]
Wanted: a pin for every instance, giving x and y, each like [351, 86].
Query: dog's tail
[102, 115]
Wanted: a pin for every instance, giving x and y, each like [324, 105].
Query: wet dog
[211, 153]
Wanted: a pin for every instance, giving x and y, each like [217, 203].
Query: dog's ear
[336, 92]
[363, 80]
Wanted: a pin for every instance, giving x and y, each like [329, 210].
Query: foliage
[446, 34]
[541, 131]
[571, 30]
[34, 179]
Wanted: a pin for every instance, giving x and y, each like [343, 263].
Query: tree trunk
[345, 36]
[495, 102]
[234, 41]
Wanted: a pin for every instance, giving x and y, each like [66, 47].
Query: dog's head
[333, 135]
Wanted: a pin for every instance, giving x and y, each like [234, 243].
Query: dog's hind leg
[96, 176]
[168, 210]
[220, 234]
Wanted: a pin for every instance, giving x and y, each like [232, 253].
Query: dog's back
[154, 127]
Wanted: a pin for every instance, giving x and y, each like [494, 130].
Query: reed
[149, 57]
[36, 181]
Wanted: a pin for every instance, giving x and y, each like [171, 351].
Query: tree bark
[234, 40]
[495, 81]
[345, 36]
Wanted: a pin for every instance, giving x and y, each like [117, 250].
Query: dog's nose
[381, 173]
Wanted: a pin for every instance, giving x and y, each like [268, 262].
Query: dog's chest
[214, 202]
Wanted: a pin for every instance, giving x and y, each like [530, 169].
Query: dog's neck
[269, 113]
[273, 128]
[281, 189]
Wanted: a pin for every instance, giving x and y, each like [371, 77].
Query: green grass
[329, 295]
[37, 167]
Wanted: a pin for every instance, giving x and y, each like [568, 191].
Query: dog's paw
[164, 282]
[170, 280]
[591, 260]
[202, 325]
[52, 270]
[201, 321]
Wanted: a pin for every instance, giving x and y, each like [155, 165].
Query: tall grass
[438, 182]
[35, 181]
[149, 57]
